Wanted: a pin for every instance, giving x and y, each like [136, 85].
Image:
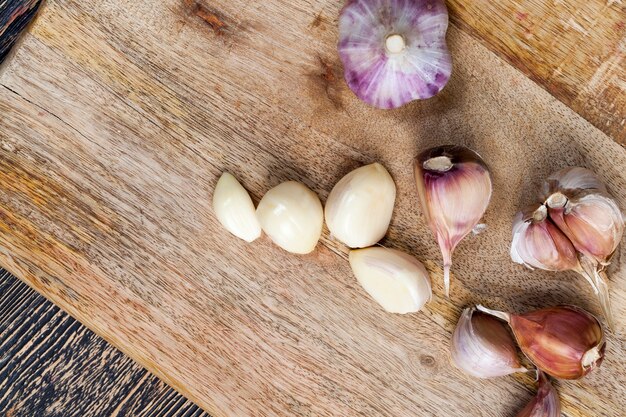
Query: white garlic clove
[395, 280]
[482, 346]
[538, 243]
[546, 403]
[359, 207]
[292, 216]
[234, 208]
[454, 187]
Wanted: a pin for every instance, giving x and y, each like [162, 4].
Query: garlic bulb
[396, 280]
[482, 346]
[454, 188]
[394, 51]
[538, 243]
[292, 216]
[546, 403]
[579, 205]
[566, 342]
[234, 209]
[359, 207]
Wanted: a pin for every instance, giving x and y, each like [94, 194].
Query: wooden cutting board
[117, 117]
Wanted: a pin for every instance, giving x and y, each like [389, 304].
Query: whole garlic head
[292, 216]
[360, 205]
[396, 280]
[234, 209]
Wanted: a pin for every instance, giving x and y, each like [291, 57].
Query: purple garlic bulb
[394, 51]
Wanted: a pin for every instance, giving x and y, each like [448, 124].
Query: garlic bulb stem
[395, 43]
[599, 282]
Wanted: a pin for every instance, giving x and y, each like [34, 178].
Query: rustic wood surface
[118, 117]
[574, 49]
[52, 366]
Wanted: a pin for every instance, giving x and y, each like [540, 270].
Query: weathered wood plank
[51, 365]
[117, 119]
[574, 49]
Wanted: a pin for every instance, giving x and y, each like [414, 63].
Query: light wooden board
[117, 119]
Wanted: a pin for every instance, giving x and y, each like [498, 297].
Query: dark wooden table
[52, 366]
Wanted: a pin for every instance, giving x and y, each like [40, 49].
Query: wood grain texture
[574, 49]
[52, 366]
[15, 15]
[117, 119]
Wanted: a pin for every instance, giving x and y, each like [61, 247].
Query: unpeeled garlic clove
[566, 342]
[292, 216]
[538, 243]
[395, 280]
[234, 208]
[593, 222]
[482, 346]
[454, 188]
[546, 403]
[580, 206]
[359, 207]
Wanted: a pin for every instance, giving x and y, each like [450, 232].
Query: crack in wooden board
[146, 112]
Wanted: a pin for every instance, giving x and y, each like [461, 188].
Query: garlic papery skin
[454, 188]
[395, 280]
[566, 342]
[594, 224]
[394, 51]
[571, 180]
[538, 242]
[359, 207]
[482, 346]
[546, 403]
[234, 208]
[292, 216]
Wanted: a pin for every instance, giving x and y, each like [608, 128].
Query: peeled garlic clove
[396, 280]
[393, 51]
[483, 347]
[234, 209]
[359, 207]
[566, 342]
[546, 403]
[538, 243]
[292, 216]
[454, 188]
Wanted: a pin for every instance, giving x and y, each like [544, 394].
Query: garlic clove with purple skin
[565, 342]
[538, 243]
[454, 188]
[394, 51]
[482, 347]
[594, 224]
[546, 403]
